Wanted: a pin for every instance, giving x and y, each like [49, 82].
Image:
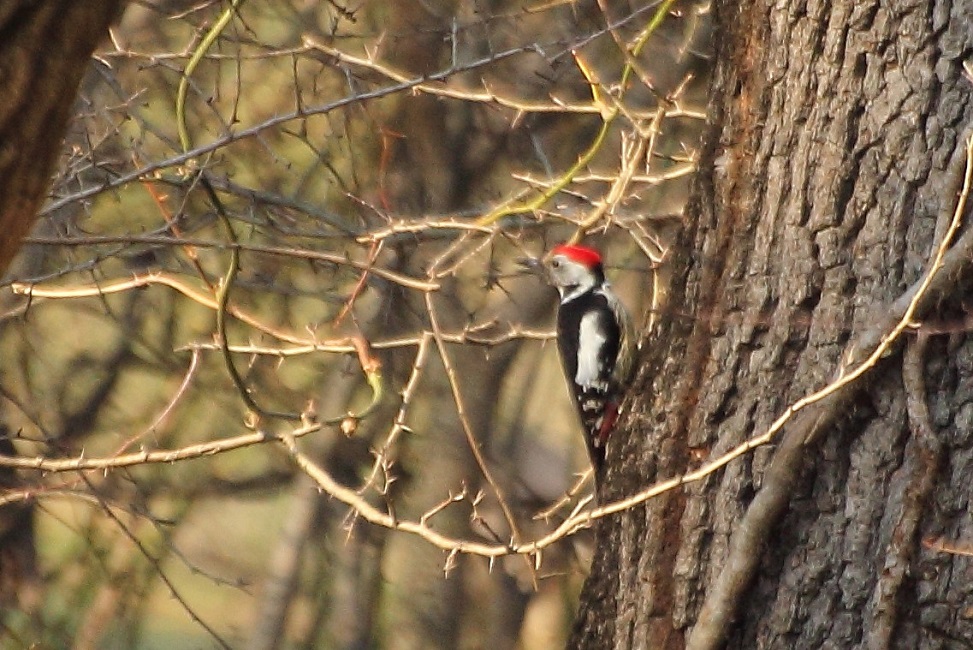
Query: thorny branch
[174, 592]
[629, 133]
[277, 121]
[364, 256]
[945, 264]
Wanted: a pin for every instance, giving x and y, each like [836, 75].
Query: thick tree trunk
[825, 185]
[44, 49]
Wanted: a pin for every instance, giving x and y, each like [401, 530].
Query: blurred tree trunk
[423, 609]
[827, 180]
[44, 50]
[306, 510]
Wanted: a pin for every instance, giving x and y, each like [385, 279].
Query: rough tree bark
[826, 181]
[44, 50]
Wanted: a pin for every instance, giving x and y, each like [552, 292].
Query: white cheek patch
[591, 340]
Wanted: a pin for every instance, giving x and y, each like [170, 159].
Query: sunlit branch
[421, 226]
[145, 457]
[300, 253]
[176, 397]
[473, 443]
[33, 292]
[399, 423]
[301, 113]
[484, 96]
[467, 337]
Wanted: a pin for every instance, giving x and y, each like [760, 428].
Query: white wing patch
[591, 341]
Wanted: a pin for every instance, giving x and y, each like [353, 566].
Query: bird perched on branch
[594, 337]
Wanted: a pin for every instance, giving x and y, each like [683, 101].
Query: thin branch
[487, 96]
[318, 256]
[399, 425]
[178, 395]
[145, 457]
[254, 131]
[157, 567]
[473, 443]
[466, 337]
[86, 291]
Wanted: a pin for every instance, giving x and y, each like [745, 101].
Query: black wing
[590, 312]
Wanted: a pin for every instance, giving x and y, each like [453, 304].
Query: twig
[300, 253]
[473, 443]
[157, 566]
[487, 96]
[188, 452]
[567, 497]
[85, 291]
[399, 425]
[180, 391]
[466, 337]
[254, 131]
[211, 35]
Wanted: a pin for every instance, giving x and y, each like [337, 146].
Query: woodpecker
[594, 338]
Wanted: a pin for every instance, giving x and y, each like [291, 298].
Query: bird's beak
[534, 266]
[531, 264]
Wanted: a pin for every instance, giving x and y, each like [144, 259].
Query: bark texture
[826, 181]
[44, 49]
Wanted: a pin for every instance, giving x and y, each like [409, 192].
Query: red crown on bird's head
[580, 254]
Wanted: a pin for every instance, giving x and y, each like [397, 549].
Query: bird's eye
[555, 263]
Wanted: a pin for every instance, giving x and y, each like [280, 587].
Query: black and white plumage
[595, 339]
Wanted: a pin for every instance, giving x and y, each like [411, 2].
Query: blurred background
[377, 168]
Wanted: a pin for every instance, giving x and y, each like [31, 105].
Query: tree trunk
[826, 182]
[44, 50]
